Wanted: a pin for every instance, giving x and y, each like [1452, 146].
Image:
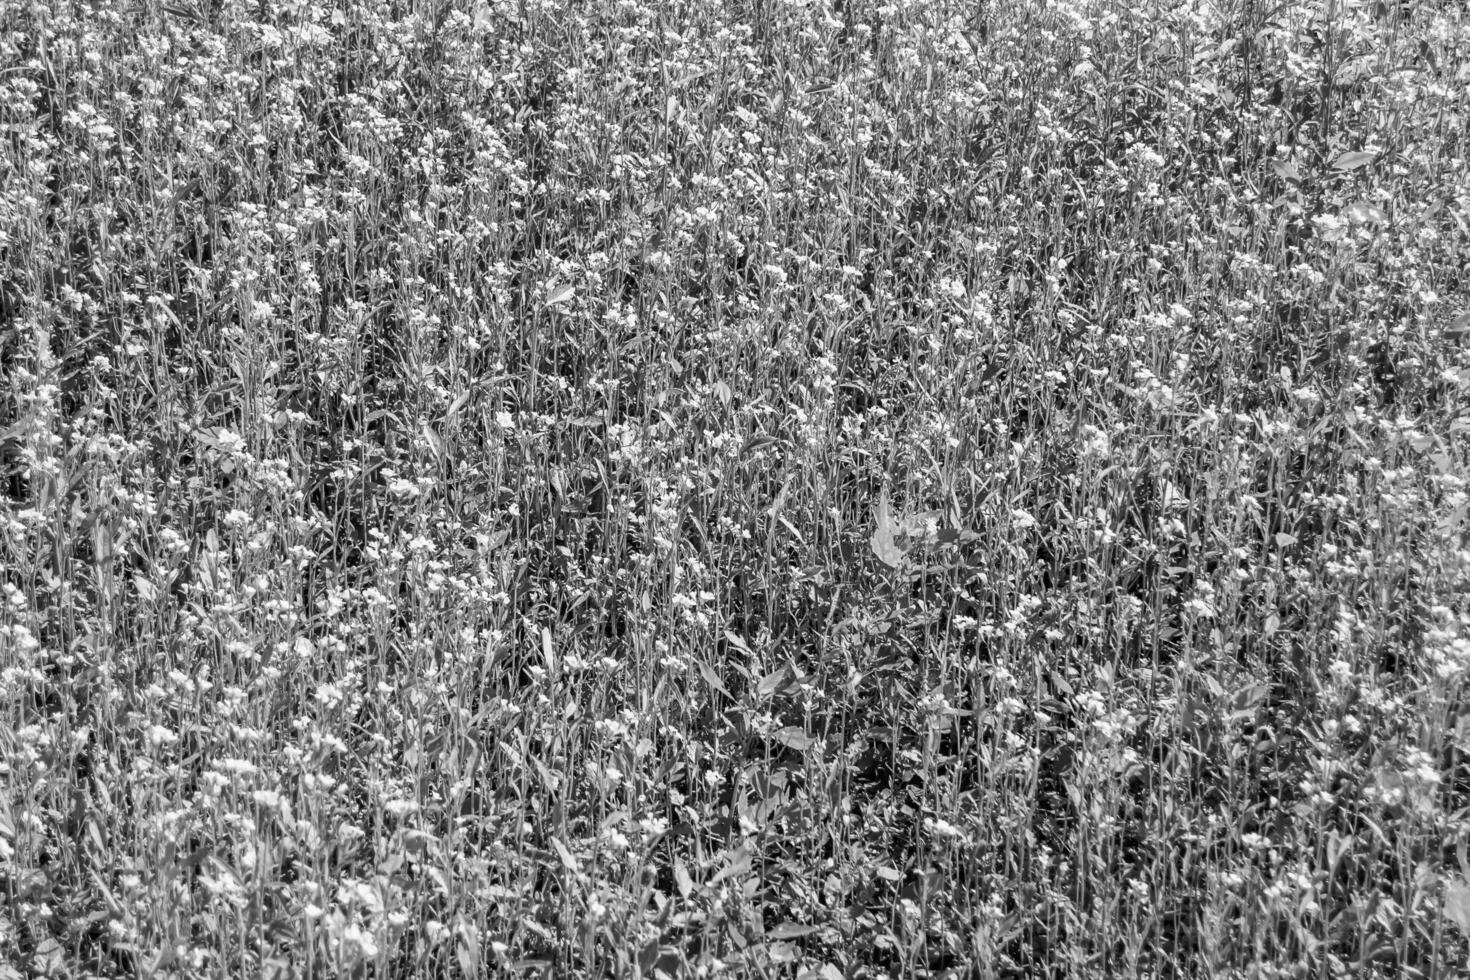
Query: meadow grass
[734, 488]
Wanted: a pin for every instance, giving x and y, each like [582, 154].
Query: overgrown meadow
[734, 488]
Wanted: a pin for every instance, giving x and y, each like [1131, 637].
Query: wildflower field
[753, 488]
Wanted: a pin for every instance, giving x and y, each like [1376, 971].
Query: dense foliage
[734, 487]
